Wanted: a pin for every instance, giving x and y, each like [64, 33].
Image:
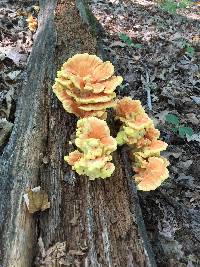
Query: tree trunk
[102, 215]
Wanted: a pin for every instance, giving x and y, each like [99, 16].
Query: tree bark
[102, 214]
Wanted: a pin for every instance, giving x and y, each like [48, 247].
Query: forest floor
[159, 52]
[155, 52]
[16, 43]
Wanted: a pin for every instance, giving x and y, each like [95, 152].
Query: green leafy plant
[182, 130]
[171, 6]
[189, 49]
[173, 119]
[126, 39]
[184, 4]
[138, 46]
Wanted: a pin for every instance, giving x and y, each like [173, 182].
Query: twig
[147, 89]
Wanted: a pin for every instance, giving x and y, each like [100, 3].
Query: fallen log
[99, 221]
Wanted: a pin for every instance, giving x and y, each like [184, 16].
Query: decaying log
[100, 220]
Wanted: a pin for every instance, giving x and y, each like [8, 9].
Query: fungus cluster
[139, 133]
[96, 145]
[85, 85]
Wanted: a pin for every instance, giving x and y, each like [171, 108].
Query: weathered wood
[104, 215]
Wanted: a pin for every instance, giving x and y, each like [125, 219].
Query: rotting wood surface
[102, 215]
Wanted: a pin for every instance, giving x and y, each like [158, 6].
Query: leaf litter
[15, 46]
[163, 71]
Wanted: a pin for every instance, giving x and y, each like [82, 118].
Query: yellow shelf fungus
[152, 149]
[95, 143]
[135, 121]
[85, 85]
[139, 133]
[151, 173]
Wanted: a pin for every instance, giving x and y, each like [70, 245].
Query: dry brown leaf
[32, 23]
[5, 130]
[36, 8]
[196, 39]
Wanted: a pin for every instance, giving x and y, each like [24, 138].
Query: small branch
[146, 86]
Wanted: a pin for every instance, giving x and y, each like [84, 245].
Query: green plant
[173, 119]
[184, 4]
[171, 6]
[181, 130]
[189, 49]
[126, 39]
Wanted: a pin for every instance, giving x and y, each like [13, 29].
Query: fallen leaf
[32, 23]
[194, 137]
[184, 165]
[2, 56]
[13, 74]
[167, 154]
[36, 8]
[65, 262]
[117, 43]
[191, 117]
[6, 97]
[11, 53]
[5, 130]
[186, 180]
[196, 99]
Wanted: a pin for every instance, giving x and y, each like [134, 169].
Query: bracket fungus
[85, 85]
[153, 149]
[96, 145]
[139, 133]
[135, 121]
[151, 173]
